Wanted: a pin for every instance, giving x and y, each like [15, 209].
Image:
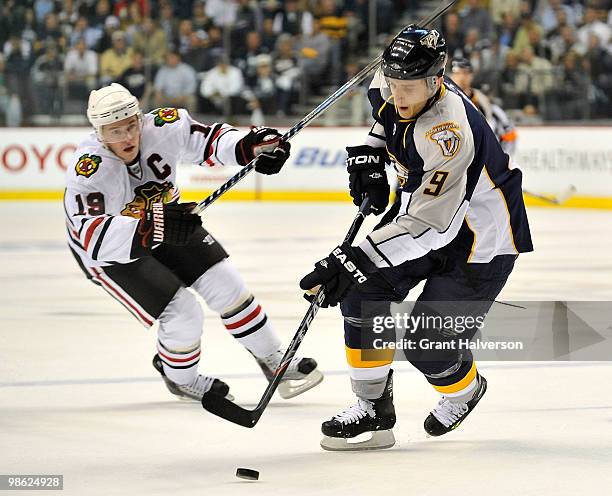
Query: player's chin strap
[322, 107]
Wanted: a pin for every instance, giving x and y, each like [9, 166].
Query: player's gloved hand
[338, 272]
[366, 168]
[171, 223]
[265, 144]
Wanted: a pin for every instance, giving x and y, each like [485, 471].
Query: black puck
[247, 473]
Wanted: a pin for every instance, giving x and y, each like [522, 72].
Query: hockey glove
[265, 144]
[338, 272]
[366, 168]
[170, 223]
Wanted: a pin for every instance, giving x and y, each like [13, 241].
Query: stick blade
[226, 409]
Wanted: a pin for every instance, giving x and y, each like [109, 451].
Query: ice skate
[301, 375]
[195, 390]
[373, 418]
[449, 414]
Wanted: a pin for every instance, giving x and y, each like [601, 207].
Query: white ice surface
[79, 397]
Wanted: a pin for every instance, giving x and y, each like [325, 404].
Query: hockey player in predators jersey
[131, 236]
[459, 227]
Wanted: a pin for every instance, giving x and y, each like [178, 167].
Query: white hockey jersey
[104, 197]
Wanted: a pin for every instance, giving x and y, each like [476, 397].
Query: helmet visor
[405, 92]
[122, 131]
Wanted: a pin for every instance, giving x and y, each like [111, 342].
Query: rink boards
[33, 162]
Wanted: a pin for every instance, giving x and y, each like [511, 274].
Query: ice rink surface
[78, 395]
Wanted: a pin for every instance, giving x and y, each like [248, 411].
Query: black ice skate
[301, 375]
[449, 414]
[197, 388]
[366, 416]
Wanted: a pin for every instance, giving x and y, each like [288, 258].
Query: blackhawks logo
[87, 165]
[165, 115]
[145, 196]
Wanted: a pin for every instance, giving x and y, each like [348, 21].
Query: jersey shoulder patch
[87, 164]
[165, 115]
[447, 137]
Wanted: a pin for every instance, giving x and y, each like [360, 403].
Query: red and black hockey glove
[265, 144]
[171, 223]
[367, 176]
[338, 272]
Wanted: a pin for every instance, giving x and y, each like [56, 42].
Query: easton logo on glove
[349, 266]
[363, 159]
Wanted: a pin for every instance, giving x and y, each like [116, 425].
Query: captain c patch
[446, 137]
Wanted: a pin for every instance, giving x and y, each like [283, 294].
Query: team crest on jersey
[430, 40]
[446, 137]
[145, 196]
[87, 164]
[166, 115]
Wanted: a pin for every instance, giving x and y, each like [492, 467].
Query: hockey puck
[247, 473]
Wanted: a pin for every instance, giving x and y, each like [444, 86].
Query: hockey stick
[559, 199]
[318, 110]
[224, 408]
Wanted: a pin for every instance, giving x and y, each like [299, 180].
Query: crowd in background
[548, 58]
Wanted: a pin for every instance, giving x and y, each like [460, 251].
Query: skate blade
[294, 387]
[378, 440]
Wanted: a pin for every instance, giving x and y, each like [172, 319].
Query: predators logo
[87, 165]
[446, 137]
[145, 196]
[165, 115]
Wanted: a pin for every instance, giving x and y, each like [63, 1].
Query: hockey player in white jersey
[459, 226]
[131, 236]
[462, 74]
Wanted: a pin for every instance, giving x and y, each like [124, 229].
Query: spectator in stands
[222, 12]
[200, 55]
[100, 14]
[527, 24]
[453, 34]
[168, 22]
[115, 60]
[222, 88]
[506, 31]
[214, 46]
[47, 76]
[42, 8]
[500, 8]
[293, 19]
[136, 79]
[175, 83]
[111, 26]
[287, 73]
[151, 41]
[540, 48]
[334, 23]
[313, 55]
[548, 14]
[568, 99]
[476, 16]
[134, 21]
[80, 70]
[199, 18]
[598, 63]
[4, 94]
[184, 38]
[268, 36]
[17, 65]
[82, 31]
[51, 30]
[534, 78]
[264, 88]
[29, 30]
[247, 61]
[592, 25]
[562, 43]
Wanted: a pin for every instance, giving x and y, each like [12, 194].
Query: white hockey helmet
[111, 104]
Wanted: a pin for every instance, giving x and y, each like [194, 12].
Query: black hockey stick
[318, 110]
[229, 410]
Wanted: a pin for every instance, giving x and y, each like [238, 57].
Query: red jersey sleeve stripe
[90, 231]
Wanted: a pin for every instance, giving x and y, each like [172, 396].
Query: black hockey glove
[265, 144]
[366, 168]
[338, 272]
[171, 223]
